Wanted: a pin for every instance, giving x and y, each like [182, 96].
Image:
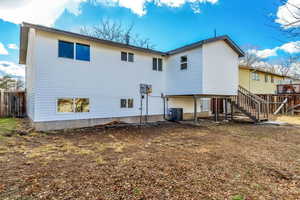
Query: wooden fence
[12, 104]
[291, 105]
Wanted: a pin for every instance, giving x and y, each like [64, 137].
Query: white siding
[220, 71]
[30, 75]
[184, 81]
[104, 80]
[212, 69]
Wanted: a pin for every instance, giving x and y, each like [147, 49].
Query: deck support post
[216, 109]
[231, 110]
[195, 109]
[225, 109]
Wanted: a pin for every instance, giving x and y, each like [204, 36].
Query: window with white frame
[183, 62]
[73, 105]
[126, 103]
[157, 64]
[67, 50]
[128, 57]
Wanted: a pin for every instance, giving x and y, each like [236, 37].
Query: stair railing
[254, 105]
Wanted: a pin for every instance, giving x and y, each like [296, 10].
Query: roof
[264, 71]
[225, 38]
[26, 26]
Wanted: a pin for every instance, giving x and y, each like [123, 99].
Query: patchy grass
[7, 126]
[171, 161]
[289, 119]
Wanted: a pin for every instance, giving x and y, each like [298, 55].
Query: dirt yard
[233, 161]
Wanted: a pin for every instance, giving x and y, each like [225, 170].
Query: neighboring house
[74, 80]
[259, 81]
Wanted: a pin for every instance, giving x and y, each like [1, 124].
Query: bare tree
[286, 64]
[115, 31]
[250, 58]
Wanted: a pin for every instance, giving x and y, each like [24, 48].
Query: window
[123, 103]
[69, 105]
[126, 103]
[127, 56]
[157, 64]
[65, 105]
[266, 78]
[154, 64]
[65, 49]
[272, 79]
[123, 56]
[160, 64]
[130, 57]
[130, 103]
[183, 62]
[82, 105]
[255, 76]
[82, 52]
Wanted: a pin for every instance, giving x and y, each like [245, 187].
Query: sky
[167, 23]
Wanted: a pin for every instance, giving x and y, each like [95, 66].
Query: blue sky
[167, 23]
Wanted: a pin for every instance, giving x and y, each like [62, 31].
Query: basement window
[82, 105]
[183, 62]
[71, 105]
[65, 105]
[65, 49]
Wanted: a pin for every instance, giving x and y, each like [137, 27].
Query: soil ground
[159, 161]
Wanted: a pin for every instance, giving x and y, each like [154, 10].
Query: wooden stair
[250, 105]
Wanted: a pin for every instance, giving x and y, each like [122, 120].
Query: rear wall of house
[104, 80]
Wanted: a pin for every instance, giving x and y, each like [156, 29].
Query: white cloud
[36, 11]
[264, 53]
[12, 69]
[288, 13]
[46, 12]
[13, 46]
[291, 47]
[138, 6]
[3, 51]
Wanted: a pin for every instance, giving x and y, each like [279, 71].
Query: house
[260, 81]
[73, 80]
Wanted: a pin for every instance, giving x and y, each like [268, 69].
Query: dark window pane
[160, 64]
[82, 105]
[123, 56]
[183, 66]
[130, 57]
[130, 103]
[154, 64]
[82, 52]
[183, 58]
[123, 103]
[65, 49]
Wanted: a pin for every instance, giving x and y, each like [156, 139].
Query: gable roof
[225, 38]
[26, 26]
